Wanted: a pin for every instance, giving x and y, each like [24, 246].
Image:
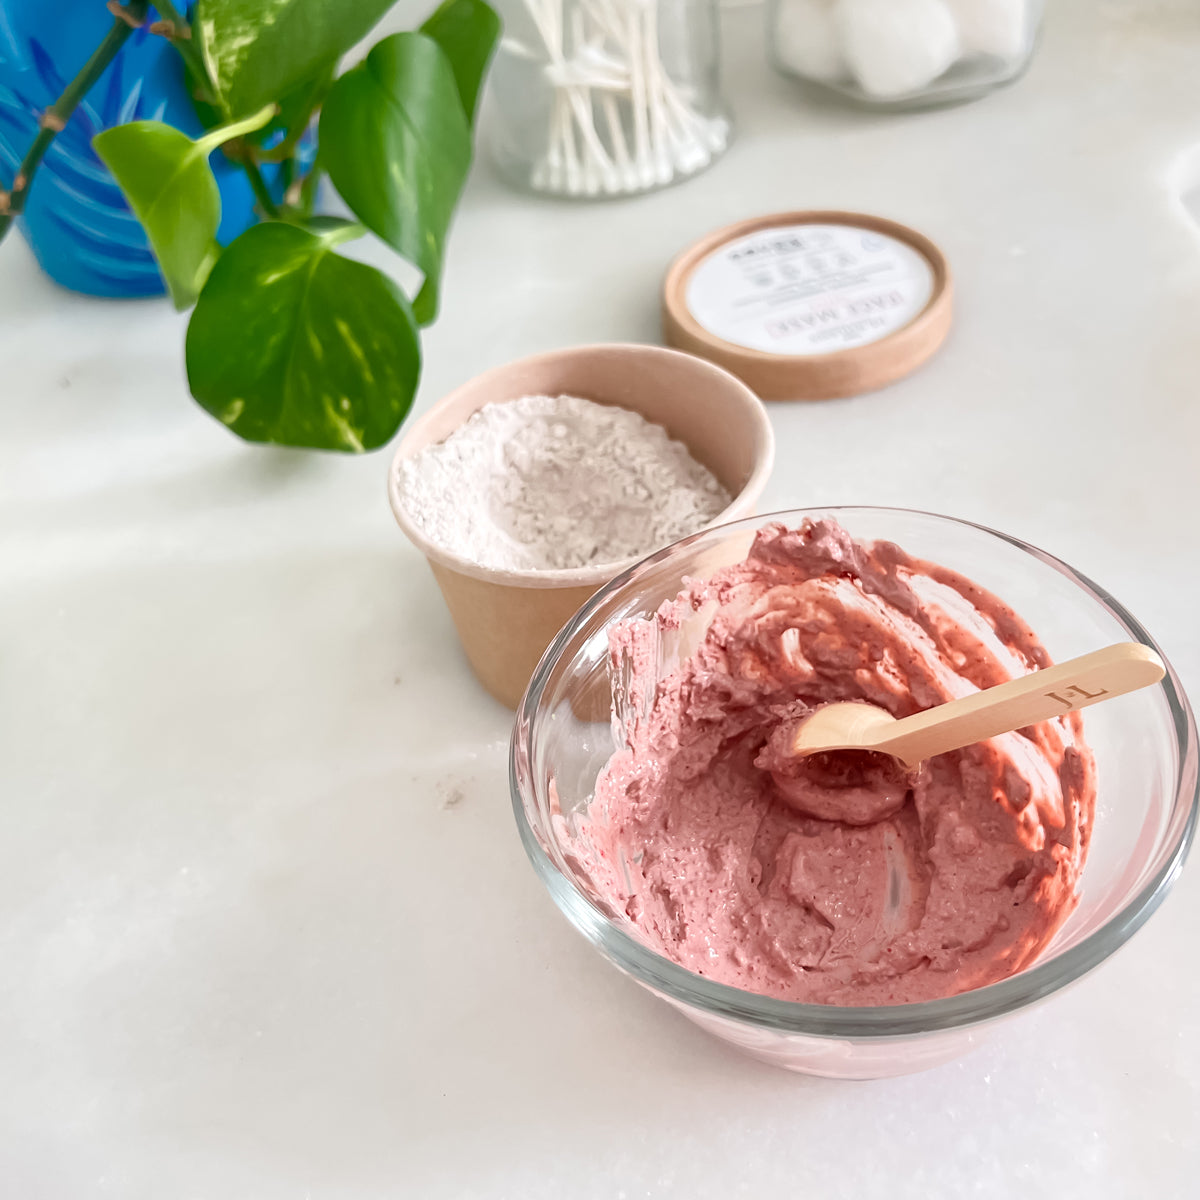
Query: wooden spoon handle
[1036, 697]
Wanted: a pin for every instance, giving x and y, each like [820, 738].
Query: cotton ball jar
[806, 40]
[997, 27]
[904, 53]
[896, 46]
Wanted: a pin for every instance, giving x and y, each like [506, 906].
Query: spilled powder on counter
[548, 483]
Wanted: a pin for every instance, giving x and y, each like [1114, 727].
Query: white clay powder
[546, 483]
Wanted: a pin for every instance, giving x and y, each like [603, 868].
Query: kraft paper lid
[810, 305]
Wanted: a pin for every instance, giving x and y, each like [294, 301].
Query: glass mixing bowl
[1146, 757]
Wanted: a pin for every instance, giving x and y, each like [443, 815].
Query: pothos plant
[289, 341]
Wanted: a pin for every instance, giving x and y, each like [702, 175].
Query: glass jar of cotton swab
[594, 98]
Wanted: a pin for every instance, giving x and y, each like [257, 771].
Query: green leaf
[396, 143]
[294, 344]
[170, 187]
[467, 31]
[256, 50]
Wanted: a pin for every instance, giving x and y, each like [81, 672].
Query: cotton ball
[999, 27]
[896, 46]
[807, 41]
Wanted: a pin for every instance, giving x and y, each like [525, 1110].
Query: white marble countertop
[265, 925]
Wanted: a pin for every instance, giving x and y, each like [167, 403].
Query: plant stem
[259, 184]
[188, 51]
[308, 189]
[194, 61]
[346, 232]
[12, 203]
[235, 131]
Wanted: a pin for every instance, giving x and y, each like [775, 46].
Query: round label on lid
[809, 289]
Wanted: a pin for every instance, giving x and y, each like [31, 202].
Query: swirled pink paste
[852, 882]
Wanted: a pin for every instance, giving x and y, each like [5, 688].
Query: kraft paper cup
[506, 619]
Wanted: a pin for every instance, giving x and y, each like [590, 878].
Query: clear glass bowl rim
[954, 1012]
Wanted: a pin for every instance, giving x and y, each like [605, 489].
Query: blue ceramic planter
[76, 219]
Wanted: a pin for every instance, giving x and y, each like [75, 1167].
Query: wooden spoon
[1036, 697]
